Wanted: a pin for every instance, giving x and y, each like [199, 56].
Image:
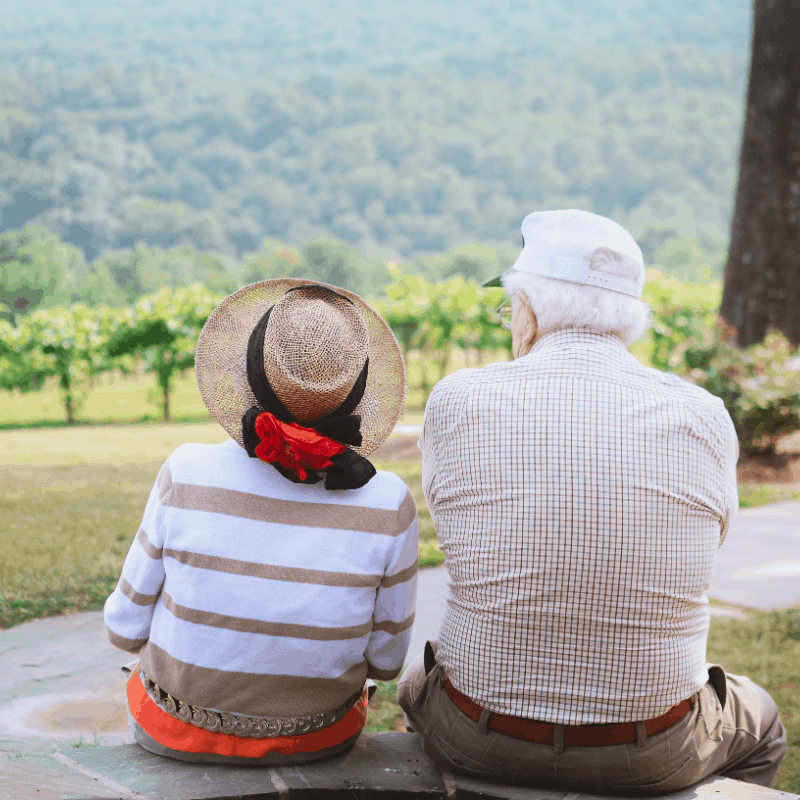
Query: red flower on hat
[296, 448]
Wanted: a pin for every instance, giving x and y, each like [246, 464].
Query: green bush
[760, 386]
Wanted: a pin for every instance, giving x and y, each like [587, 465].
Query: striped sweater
[245, 592]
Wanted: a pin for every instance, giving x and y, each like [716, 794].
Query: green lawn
[113, 398]
[759, 494]
[766, 648]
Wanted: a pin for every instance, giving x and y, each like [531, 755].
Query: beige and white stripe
[235, 571]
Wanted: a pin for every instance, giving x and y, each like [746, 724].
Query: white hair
[563, 304]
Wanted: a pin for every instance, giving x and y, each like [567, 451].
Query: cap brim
[490, 284]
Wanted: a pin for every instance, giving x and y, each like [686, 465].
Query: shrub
[760, 386]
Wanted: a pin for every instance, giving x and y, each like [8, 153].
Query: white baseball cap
[559, 244]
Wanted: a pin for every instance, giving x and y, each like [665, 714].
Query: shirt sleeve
[395, 602]
[731, 456]
[427, 447]
[128, 612]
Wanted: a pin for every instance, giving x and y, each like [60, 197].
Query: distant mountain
[397, 127]
[244, 42]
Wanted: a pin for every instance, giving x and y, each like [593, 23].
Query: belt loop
[483, 722]
[558, 738]
[641, 733]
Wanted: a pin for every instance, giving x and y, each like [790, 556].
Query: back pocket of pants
[453, 758]
[659, 781]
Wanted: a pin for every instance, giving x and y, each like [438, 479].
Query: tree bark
[165, 384]
[762, 276]
[66, 390]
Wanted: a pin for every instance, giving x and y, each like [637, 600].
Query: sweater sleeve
[395, 603]
[128, 612]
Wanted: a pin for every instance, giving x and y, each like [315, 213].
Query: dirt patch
[777, 468]
[399, 448]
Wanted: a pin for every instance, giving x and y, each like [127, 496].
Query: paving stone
[463, 788]
[158, 778]
[41, 777]
[758, 565]
[713, 788]
[60, 681]
[389, 764]
[432, 588]
[381, 764]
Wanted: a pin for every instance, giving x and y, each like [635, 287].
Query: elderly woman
[275, 573]
[580, 498]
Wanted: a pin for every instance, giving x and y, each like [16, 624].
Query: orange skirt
[188, 738]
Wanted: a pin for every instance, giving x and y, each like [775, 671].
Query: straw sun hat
[306, 350]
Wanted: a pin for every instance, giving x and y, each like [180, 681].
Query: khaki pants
[744, 740]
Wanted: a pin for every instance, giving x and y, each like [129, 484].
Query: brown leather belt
[574, 735]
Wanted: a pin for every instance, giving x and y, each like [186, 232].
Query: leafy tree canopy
[35, 264]
[400, 129]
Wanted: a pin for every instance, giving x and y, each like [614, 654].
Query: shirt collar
[564, 338]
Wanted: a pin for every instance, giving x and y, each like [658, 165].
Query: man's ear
[524, 327]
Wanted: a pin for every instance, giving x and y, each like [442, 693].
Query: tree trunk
[165, 384]
[165, 406]
[425, 362]
[66, 393]
[762, 276]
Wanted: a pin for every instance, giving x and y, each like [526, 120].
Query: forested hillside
[399, 128]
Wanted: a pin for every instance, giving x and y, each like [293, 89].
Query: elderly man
[579, 499]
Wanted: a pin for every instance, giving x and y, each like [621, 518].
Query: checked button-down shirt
[579, 498]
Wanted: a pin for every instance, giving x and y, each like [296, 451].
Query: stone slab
[383, 765]
[61, 682]
[391, 764]
[41, 777]
[154, 777]
[712, 788]
[758, 565]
